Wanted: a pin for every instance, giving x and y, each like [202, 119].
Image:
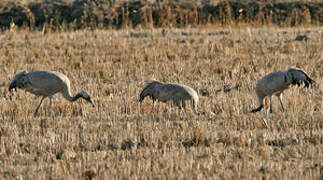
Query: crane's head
[299, 77]
[85, 96]
[143, 95]
[18, 81]
[149, 90]
[141, 98]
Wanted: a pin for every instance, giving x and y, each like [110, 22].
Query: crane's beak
[90, 101]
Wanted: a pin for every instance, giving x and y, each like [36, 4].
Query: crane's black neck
[77, 96]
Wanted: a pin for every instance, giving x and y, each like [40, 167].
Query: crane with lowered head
[276, 82]
[46, 84]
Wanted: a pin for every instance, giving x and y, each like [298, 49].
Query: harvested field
[119, 139]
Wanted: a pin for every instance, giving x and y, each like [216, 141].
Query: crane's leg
[281, 103]
[178, 104]
[270, 105]
[35, 113]
[183, 104]
[194, 107]
[51, 107]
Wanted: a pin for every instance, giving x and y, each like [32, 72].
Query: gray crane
[46, 84]
[178, 93]
[276, 82]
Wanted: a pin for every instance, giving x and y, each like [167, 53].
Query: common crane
[177, 93]
[46, 84]
[276, 82]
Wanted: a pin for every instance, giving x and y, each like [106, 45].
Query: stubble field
[118, 139]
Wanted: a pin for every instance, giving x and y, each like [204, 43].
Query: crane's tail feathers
[308, 82]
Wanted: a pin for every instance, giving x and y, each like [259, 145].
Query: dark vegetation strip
[78, 14]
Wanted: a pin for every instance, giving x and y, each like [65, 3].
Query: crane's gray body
[46, 84]
[273, 84]
[43, 83]
[276, 82]
[178, 93]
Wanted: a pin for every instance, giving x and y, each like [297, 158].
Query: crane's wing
[172, 91]
[43, 83]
